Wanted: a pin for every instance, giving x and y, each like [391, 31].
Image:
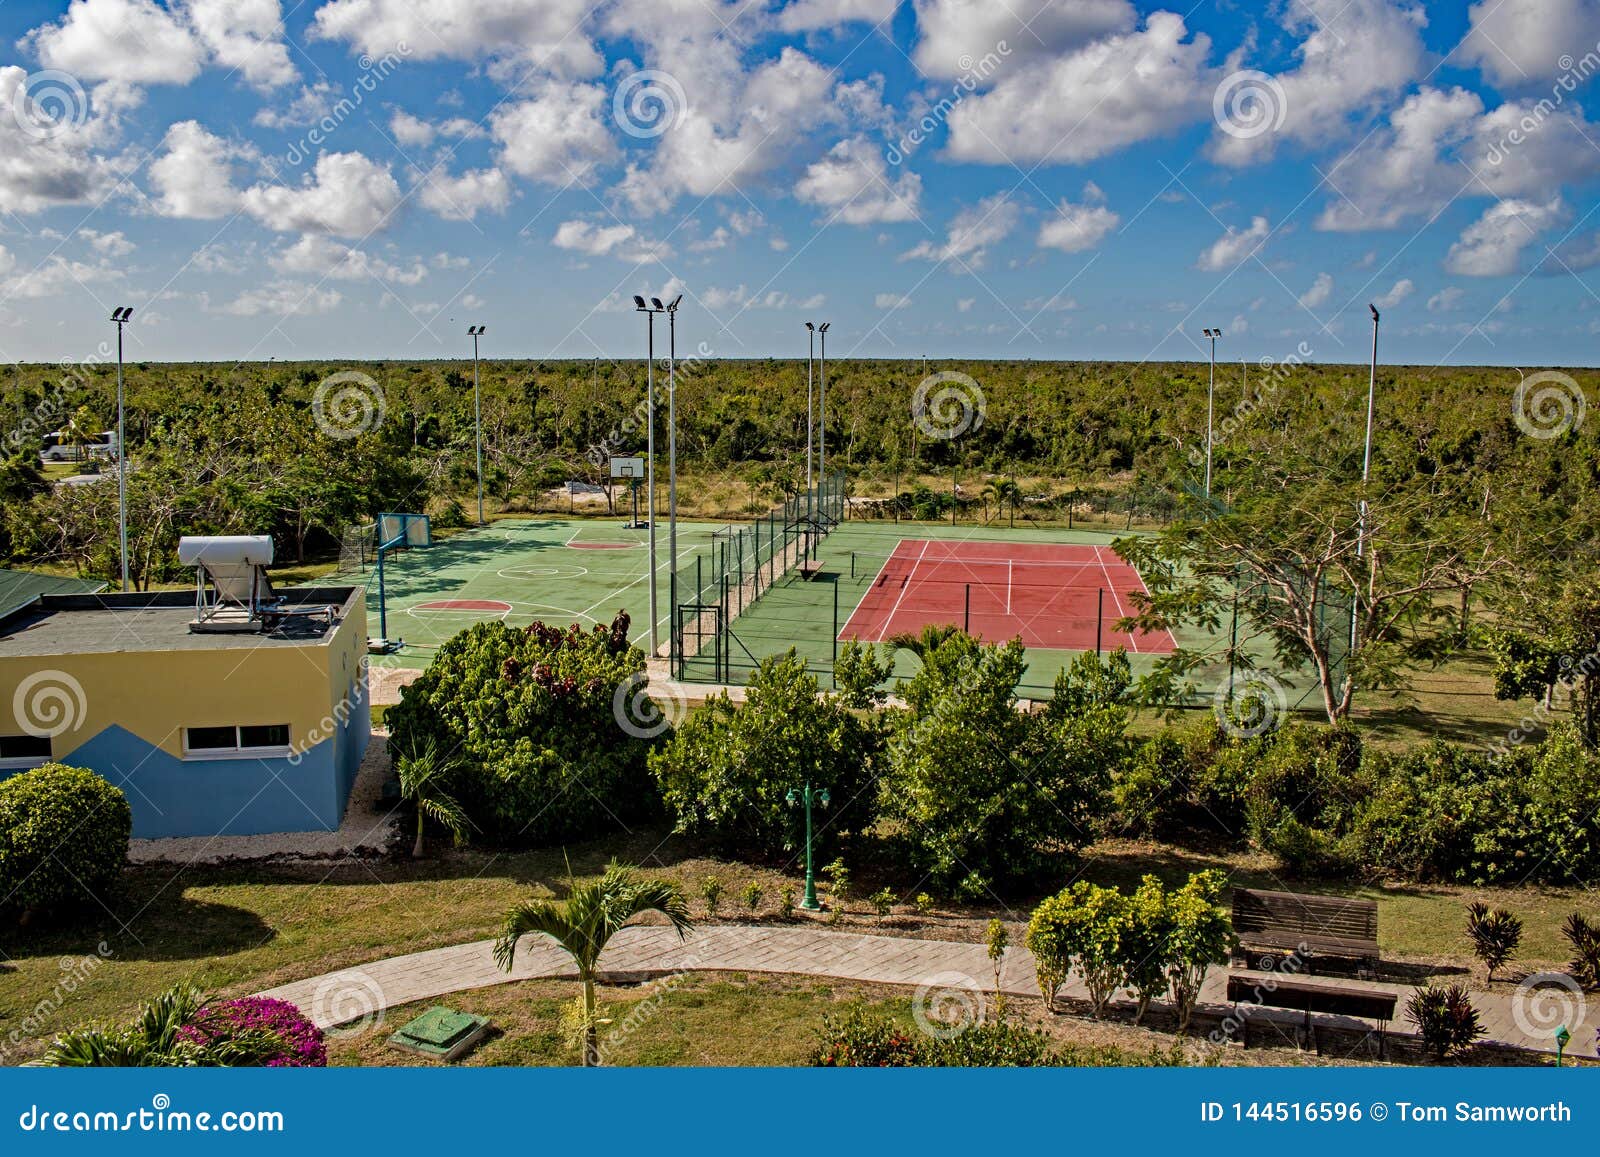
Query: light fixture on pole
[672, 467]
[122, 315]
[650, 310]
[475, 332]
[1211, 404]
[806, 795]
[1366, 470]
[822, 417]
[811, 361]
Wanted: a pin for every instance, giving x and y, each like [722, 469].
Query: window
[268, 739]
[24, 750]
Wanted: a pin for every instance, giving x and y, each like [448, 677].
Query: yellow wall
[156, 694]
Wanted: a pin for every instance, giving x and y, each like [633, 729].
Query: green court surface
[559, 571]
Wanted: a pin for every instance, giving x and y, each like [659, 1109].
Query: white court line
[871, 587]
[1009, 566]
[1133, 639]
[910, 574]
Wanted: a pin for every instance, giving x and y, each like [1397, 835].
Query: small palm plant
[1495, 934]
[424, 778]
[926, 642]
[584, 923]
[157, 1038]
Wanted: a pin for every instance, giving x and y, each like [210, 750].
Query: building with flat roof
[207, 733]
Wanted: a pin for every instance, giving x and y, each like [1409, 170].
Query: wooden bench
[810, 568]
[1306, 926]
[1303, 994]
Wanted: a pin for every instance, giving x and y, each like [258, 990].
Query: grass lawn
[239, 930]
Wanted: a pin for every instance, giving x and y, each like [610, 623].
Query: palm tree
[1006, 494]
[927, 641]
[424, 774]
[585, 921]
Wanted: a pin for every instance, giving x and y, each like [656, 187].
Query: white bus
[58, 447]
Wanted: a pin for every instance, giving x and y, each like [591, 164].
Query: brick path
[639, 952]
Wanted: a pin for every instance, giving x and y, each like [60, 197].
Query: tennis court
[1055, 596]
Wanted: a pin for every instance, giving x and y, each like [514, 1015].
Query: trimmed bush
[63, 838]
[1445, 1019]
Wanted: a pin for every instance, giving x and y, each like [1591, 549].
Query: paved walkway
[943, 970]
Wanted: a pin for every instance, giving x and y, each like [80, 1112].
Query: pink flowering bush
[274, 1032]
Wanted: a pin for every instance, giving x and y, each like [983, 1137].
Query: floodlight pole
[650, 462]
[1211, 406]
[1366, 470]
[120, 315]
[822, 414]
[475, 332]
[672, 466]
[811, 360]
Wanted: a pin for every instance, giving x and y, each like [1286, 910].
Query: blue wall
[228, 797]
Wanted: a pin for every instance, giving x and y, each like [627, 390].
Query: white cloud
[954, 35]
[1089, 102]
[1235, 246]
[891, 301]
[40, 170]
[1321, 289]
[245, 36]
[321, 257]
[348, 195]
[1401, 290]
[742, 298]
[965, 304]
[1445, 301]
[620, 241]
[130, 43]
[463, 197]
[1355, 56]
[193, 176]
[1520, 42]
[852, 180]
[284, 299]
[808, 15]
[409, 131]
[57, 275]
[558, 136]
[114, 244]
[972, 231]
[546, 33]
[1492, 245]
[1075, 228]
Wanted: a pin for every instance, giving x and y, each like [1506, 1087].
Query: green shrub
[1585, 940]
[883, 902]
[752, 895]
[533, 716]
[63, 838]
[786, 903]
[726, 774]
[1495, 934]
[1445, 1018]
[711, 893]
[858, 1038]
[1081, 929]
[860, 672]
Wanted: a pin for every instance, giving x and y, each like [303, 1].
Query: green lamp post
[1563, 1038]
[806, 795]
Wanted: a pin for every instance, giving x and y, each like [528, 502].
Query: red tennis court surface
[1046, 594]
[494, 605]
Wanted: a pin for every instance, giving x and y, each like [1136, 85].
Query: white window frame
[235, 752]
[24, 762]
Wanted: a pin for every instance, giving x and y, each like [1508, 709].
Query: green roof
[20, 587]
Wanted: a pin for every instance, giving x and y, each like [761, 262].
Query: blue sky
[956, 178]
